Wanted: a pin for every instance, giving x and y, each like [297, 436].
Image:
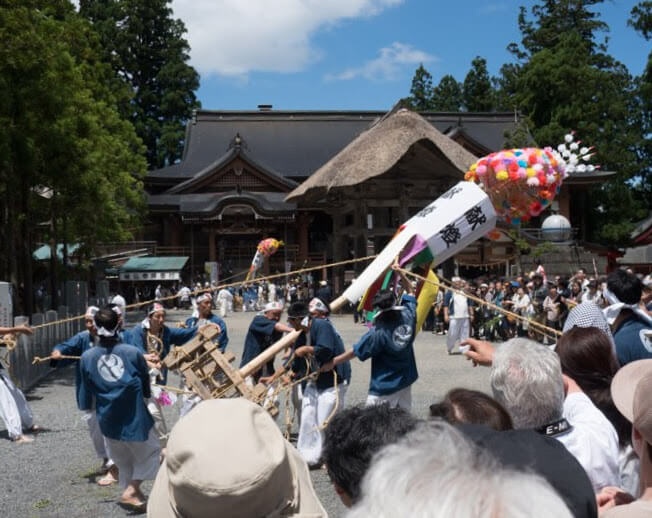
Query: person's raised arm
[405, 282]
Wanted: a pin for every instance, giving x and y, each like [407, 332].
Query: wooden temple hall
[332, 185]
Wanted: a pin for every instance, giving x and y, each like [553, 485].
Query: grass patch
[42, 504]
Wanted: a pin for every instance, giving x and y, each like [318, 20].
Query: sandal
[139, 506]
[107, 480]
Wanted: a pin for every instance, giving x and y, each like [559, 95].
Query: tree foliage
[641, 19]
[60, 130]
[447, 95]
[421, 90]
[566, 80]
[477, 92]
[147, 49]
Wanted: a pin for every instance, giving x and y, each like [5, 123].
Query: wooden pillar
[303, 221]
[212, 249]
[172, 231]
[340, 250]
[403, 209]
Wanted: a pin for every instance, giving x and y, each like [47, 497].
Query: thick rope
[38, 359]
[219, 287]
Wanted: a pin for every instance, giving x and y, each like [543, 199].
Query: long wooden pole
[269, 353]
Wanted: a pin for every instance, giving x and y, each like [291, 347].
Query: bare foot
[23, 439]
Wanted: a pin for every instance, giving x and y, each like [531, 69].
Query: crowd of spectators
[547, 301]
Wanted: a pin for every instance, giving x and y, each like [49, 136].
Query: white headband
[155, 308]
[273, 306]
[90, 312]
[317, 304]
[203, 297]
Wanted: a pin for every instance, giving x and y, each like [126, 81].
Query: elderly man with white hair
[526, 379]
[458, 314]
[435, 472]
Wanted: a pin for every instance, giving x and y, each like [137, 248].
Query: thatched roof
[380, 148]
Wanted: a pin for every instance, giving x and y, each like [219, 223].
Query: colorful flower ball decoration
[522, 183]
[269, 246]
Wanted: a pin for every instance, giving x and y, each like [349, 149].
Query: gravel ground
[55, 475]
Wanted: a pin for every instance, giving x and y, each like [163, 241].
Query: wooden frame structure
[209, 373]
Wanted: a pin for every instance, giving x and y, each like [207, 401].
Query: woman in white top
[521, 303]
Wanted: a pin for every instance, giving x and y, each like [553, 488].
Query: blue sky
[356, 54]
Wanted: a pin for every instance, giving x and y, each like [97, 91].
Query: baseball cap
[631, 390]
[228, 458]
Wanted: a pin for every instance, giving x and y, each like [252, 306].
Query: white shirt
[224, 295]
[592, 441]
[588, 297]
[184, 293]
[521, 302]
[460, 306]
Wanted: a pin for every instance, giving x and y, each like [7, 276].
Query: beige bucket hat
[227, 458]
[631, 390]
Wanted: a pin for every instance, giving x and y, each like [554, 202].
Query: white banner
[450, 223]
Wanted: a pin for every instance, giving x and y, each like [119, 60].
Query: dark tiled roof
[207, 203]
[295, 144]
[225, 159]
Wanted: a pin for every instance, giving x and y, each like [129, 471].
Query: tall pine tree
[146, 47]
[421, 90]
[641, 20]
[567, 80]
[60, 129]
[447, 95]
[477, 92]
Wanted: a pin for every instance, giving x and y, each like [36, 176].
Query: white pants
[14, 410]
[223, 307]
[297, 400]
[315, 409]
[98, 440]
[136, 460]
[160, 428]
[401, 398]
[458, 330]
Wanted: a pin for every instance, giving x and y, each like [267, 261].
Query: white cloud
[235, 37]
[390, 64]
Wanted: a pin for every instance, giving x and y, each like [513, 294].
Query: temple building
[333, 185]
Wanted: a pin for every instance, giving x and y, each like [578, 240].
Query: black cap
[529, 451]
